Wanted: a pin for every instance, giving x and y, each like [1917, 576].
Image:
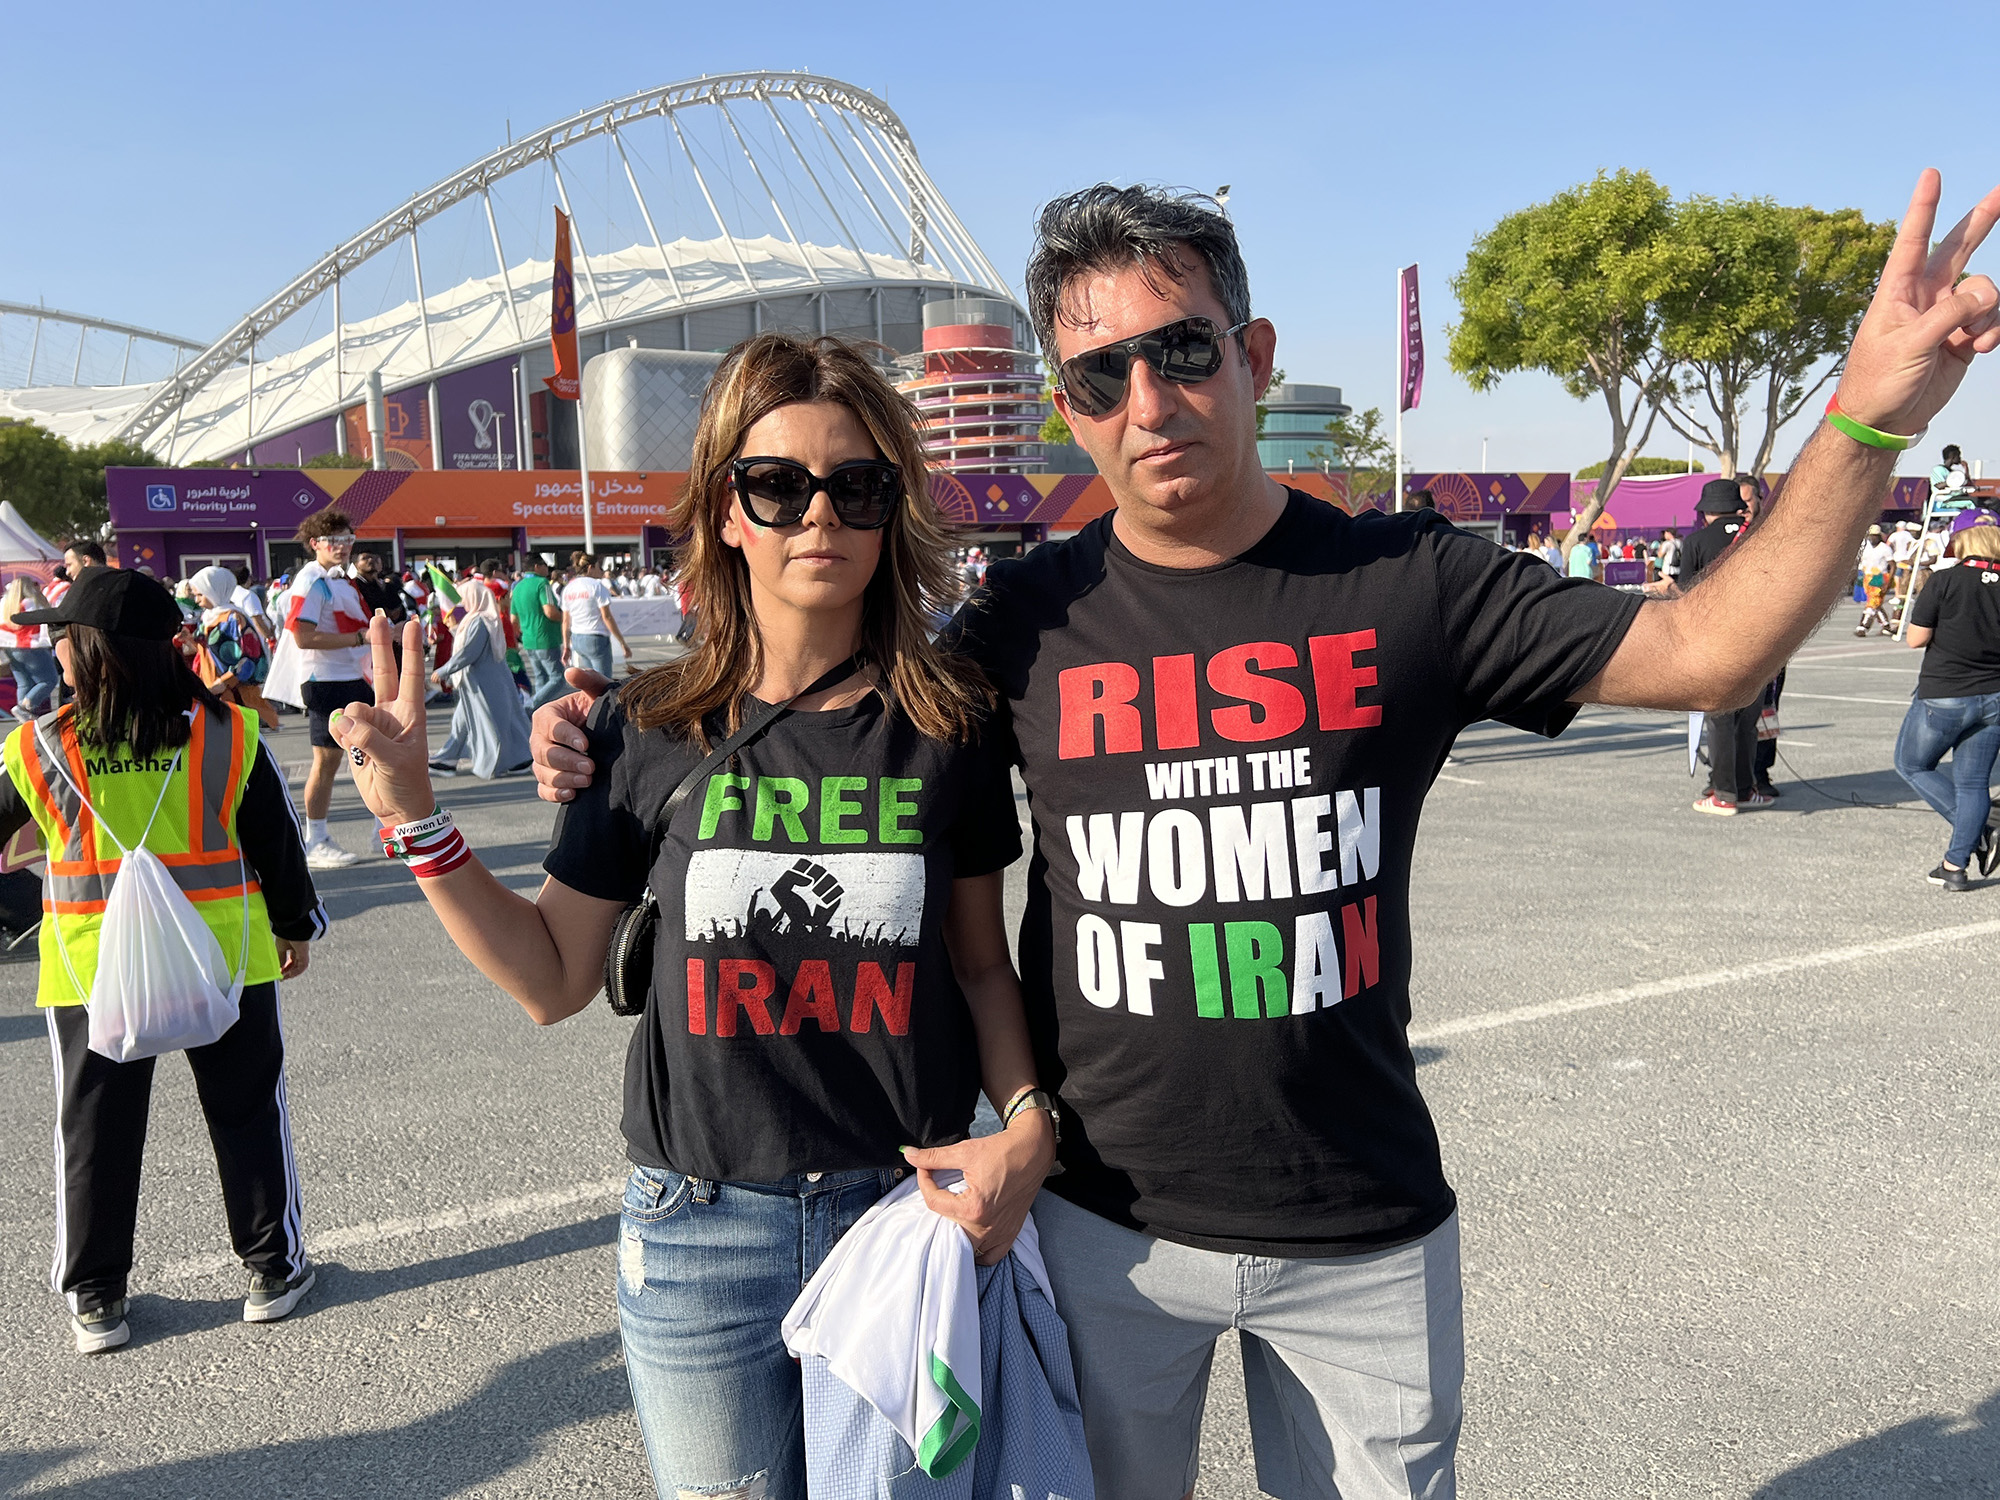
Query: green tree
[1777, 304]
[1578, 287]
[1364, 448]
[59, 489]
[1054, 428]
[337, 461]
[1641, 468]
[1277, 379]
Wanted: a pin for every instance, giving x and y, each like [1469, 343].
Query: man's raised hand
[1924, 325]
[390, 736]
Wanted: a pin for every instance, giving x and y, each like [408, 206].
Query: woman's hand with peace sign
[388, 744]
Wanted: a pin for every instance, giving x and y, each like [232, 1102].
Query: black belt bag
[628, 961]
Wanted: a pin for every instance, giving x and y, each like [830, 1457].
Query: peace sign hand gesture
[391, 739]
[1924, 325]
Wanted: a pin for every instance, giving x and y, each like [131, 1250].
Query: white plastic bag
[163, 983]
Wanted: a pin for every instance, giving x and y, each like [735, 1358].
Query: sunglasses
[1187, 353]
[779, 491]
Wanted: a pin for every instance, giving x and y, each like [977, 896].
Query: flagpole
[1402, 333]
[583, 460]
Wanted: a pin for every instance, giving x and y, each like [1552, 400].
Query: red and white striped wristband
[431, 847]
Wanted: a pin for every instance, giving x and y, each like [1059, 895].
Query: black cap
[120, 601]
[1719, 497]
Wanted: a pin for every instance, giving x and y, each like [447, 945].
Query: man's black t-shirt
[1225, 768]
[1961, 604]
[804, 1016]
[1703, 547]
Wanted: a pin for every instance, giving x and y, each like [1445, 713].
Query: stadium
[703, 212]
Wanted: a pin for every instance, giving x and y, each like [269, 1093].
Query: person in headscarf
[488, 722]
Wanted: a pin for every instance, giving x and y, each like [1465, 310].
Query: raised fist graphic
[808, 895]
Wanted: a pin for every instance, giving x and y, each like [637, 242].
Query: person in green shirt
[535, 609]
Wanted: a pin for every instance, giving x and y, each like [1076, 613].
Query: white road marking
[1681, 984]
[1805, 660]
[1838, 698]
[1461, 780]
[1900, 671]
[604, 1192]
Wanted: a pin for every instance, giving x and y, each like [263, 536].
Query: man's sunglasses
[1187, 353]
[779, 491]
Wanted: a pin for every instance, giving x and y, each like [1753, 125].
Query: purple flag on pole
[1412, 367]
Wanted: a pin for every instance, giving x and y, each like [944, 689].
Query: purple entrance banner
[1411, 340]
[1489, 497]
[211, 499]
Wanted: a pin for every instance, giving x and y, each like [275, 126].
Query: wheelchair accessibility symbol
[160, 497]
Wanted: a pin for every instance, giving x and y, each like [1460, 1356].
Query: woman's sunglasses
[1187, 353]
[779, 491]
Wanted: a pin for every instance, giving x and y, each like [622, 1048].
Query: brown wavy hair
[943, 694]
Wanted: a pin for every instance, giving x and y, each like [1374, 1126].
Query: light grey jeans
[1352, 1365]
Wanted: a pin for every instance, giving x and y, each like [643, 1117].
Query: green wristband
[1861, 432]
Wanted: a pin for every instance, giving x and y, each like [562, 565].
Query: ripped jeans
[706, 1273]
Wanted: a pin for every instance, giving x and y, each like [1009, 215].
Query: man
[78, 553]
[1903, 551]
[1668, 555]
[1732, 735]
[1877, 566]
[538, 618]
[1228, 701]
[378, 590]
[327, 619]
[1423, 500]
[1583, 558]
[1950, 480]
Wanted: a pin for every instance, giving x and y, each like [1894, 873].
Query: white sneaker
[325, 854]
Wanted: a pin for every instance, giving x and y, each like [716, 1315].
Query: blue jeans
[35, 677]
[706, 1273]
[594, 651]
[1969, 730]
[545, 675]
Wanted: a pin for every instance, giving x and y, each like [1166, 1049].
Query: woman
[487, 720]
[147, 755]
[33, 662]
[1956, 710]
[832, 977]
[588, 627]
[230, 656]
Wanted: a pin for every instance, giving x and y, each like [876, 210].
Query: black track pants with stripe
[101, 1136]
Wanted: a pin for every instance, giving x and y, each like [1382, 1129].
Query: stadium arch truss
[701, 213]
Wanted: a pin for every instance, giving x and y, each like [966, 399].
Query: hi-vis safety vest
[194, 837]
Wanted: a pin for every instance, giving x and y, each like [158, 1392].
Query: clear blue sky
[172, 166]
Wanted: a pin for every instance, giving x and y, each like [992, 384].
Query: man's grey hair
[1106, 228]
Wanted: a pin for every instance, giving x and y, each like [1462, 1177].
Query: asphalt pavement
[1718, 1097]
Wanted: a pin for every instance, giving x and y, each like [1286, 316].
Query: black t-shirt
[1961, 604]
[804, 1015]
[1225, 768]
[1703, 547]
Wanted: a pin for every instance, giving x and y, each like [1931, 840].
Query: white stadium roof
[781, 191]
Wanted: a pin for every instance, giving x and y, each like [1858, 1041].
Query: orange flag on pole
[566, 382]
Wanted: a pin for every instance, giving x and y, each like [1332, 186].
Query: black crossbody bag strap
[628, 961]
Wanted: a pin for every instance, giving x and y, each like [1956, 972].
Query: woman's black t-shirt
[1962, 604]
[803, 1016]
